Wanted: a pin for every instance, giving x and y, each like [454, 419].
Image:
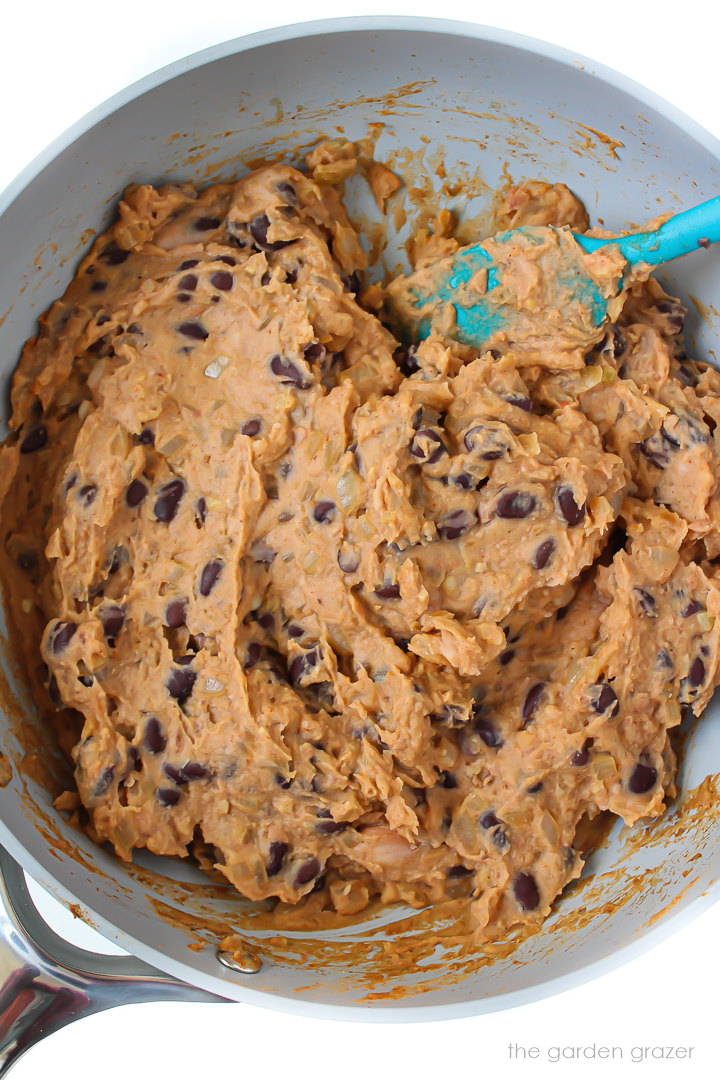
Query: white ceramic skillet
[486, 99]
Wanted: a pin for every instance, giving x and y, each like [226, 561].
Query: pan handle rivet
[247, 963]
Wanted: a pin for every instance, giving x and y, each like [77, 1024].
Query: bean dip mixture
[342, 618]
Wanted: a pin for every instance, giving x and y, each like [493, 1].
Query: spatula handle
[679, 235]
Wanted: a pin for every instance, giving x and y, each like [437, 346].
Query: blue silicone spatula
[476, 322]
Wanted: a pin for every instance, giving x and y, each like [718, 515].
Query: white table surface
[58, 60]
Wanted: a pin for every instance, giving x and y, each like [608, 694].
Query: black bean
[266, 620]
[489, 819]
[188, 264]
[670, 439]
[642, 779]
[193, 770]
[258, 229]
[113, 620]
[456, 524]
[168, 500]
[276, 856]
[427, 446]
[301, 664]
[646, 602]
[692, 609]
[60, 636]
[569, 508]
[180, 684]
[684, 374]
[251, 428]
[324, 511]
[407, 361]
[307, 872]
[146, 437]
[655, 451]
[86, 494]
[222, 279]
[581, 756]
[283, 782]
[200, 511]
[295, 632]
[506, 657]
[154, 736]
[288, 373]
[328, 828]
[206, 224]
[209, 576]
[487, 731]
[534, 788]
[252, 655]
[697, 431]
[543, 554]
[98, 286]
[520, 402]
[285, 188]
[194, 330]
[135, 493]
[227, 259]
[604, 699]
[314, 351]
[104, 781]
[114, 255]
[532, 701]
[696, 674]
[388, 592]
[188, 283]
[526, 891]
[675, 314]
[167, 796]
[176, 613]
[265, 279]
[348, 562]
[464, 480]
[447, 780]
[174, 773]
[486, 441]
[515, 504]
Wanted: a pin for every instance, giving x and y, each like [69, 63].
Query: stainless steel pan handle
[46, 983]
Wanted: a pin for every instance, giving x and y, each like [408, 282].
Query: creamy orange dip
[332, 615]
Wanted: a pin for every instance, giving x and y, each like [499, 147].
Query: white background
[60, 59]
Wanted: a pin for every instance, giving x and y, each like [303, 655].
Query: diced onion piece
[590, 376]
[605, 767]
[349, 489]
[216, 367]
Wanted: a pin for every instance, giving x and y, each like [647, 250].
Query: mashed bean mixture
[340, 617]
